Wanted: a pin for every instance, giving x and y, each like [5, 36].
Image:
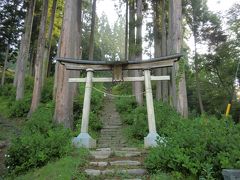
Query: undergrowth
[39, 142]
[68, 167]
[199, 147]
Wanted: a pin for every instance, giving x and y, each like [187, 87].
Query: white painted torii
[84, 139]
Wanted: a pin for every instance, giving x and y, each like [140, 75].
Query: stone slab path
[112, 159]
[124, 163]
[111, 133]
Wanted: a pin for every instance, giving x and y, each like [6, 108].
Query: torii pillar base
[84, 140]
[151, 140]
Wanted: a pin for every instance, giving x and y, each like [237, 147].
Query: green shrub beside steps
[40, 142]
[198, 148]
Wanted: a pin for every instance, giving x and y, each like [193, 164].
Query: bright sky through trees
[107, 7]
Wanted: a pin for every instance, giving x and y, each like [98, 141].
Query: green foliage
[29, 80]
[64, 168]
[47, 91]
[125, 106]
[199, 147]
[8, 90]
[122, 89]
[20, 108]
[40, 142]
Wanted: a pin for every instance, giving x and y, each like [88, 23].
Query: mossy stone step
[96, 172]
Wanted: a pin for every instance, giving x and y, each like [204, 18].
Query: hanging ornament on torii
[117, 68]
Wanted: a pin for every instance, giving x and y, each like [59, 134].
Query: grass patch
[65, 168]
[4, 106]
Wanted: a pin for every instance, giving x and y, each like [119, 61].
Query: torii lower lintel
[84, 139]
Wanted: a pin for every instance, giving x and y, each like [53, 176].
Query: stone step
[127, 153]
[112, 142]
[115, 163]
[107, 132]
[129, 149]
[125, 163]
[112, 127]
[96, 172]
[112, 145]
[101, 154]
[113, 123]
[99, 164]
[109, 137]
[103, 149]
[112, 133]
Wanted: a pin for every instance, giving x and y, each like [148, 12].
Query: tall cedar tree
[179, 92]
[37, 89]
[69, 47]
[19, 78]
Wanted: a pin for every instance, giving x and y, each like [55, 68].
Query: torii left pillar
[151, 139]
[84, 139]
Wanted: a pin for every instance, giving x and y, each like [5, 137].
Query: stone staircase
[111, 133]
[123, 163]
[112, 159]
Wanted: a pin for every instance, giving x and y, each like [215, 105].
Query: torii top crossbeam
[77, 64]
[118, 66]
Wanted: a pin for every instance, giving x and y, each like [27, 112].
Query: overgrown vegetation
[197, 147]
[39, 142]
[68, 167]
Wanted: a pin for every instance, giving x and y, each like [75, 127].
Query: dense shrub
[40, 142]
[122, 88]
[8, 90]
[199, 147]
[29, 81]
[20, 108]
[126, 106]
[47, 91]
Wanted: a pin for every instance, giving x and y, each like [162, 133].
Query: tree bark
[157, 45]
[38, 78]
[132, 34]
[70, 44]
[138, 87]
[91, 40]
[175, 32]
[24, 50]
[197, 76]
[165, 89]
[126, 33]
[5, 64]
[48, 43]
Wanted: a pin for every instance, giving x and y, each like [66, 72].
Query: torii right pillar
[152, 137]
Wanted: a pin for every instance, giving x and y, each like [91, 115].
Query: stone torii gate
[117, 67]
